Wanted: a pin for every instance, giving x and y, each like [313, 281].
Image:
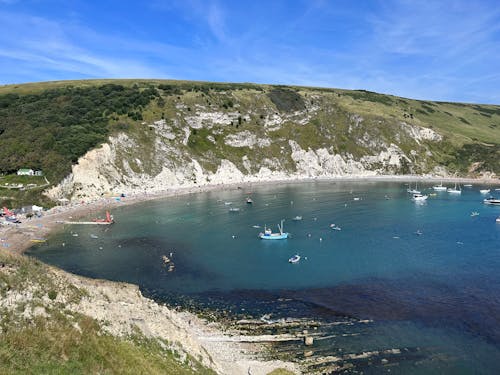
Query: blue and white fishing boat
[294, 259]
[269, 235]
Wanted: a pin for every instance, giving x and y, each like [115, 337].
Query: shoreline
[78, 210]
[229, 357]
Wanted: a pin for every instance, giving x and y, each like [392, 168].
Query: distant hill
[160, 133]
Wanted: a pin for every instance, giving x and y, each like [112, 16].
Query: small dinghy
[294, 259]
[297, 218]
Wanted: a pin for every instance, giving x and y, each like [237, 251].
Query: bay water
[416, 287]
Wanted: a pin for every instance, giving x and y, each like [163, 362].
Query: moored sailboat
[454, 190]
[439, 187]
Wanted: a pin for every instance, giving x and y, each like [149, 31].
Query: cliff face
[256, 141]
[154, 135]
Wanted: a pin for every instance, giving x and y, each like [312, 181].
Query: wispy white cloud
[215, 19]
[48, 45]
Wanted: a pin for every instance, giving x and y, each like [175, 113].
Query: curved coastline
[78, 210]
[197, 336]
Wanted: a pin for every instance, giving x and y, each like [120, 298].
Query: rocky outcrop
[246, 139]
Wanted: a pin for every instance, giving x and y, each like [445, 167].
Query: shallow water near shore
[416, 286]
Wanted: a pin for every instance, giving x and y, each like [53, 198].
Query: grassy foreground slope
[50, 125]
[40, 335]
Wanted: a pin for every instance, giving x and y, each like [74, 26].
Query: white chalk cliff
[126, 165]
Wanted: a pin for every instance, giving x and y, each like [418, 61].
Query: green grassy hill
[49, 125]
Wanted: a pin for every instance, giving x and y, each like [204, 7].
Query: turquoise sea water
[425, 276]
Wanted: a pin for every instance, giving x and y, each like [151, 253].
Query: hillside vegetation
[167, 124]
[41, 334]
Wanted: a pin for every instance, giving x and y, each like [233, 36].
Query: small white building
[25, 172]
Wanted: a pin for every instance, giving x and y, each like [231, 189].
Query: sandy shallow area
[121, 306]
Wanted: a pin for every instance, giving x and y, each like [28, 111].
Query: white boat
[468, 185]
[234, 209]
[294, 259]
[484, 191]
[335, 227]
[475, 213]
[439, 187]
[492, 201]
[417, 197]
[413, 191]
[269, 235]
[454, 190]
[297, 218]
[498, 219]
[249, 200]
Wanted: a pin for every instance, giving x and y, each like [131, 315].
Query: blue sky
[435, 50]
